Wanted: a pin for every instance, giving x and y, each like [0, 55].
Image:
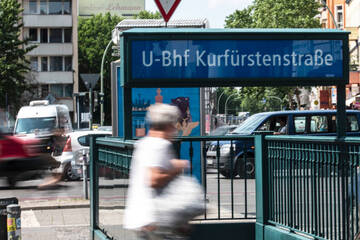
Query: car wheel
[228, 174]
[68, 173]
[247, 169]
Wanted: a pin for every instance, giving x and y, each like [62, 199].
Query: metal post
[102, 114]
[218, 102]
[341, 111]
[85, 180]
[90, 108]
[78, 111]
[227, 102]
[14, 222]
[331, 14]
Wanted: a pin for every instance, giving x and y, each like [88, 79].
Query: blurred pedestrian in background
[154, 165]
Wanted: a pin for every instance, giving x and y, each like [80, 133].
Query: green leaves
[273, 14]
[148, 15]
[13, 64]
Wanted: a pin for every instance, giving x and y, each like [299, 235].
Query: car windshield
[29, 125]
[250, 124]
[220, 131]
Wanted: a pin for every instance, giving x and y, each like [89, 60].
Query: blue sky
[214, 10]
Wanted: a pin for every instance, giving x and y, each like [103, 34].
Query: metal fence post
[85, 169]
[4, 202]
[14, 222]
[262, 186]
[94, 187]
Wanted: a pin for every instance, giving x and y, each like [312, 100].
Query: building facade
[52, 26]
[343, 14]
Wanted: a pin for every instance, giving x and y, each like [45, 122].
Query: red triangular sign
[167, 7]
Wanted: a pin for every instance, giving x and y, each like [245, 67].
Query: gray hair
[160, 115]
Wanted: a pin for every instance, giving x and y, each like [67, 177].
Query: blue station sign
[295, 60]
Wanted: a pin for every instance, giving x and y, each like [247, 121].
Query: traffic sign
[90, 79]
[167, 7]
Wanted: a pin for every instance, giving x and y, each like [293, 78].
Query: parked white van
[41, 118]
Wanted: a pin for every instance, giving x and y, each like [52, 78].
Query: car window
[352, 124]
[265, 126]
[299, 124]
[319, 124]
[84, 140]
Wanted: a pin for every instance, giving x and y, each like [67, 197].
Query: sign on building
[117, 7]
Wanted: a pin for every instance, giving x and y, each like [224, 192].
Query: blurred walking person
[154, 165]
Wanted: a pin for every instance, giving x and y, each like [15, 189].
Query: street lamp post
[218, 102]
[281, 101]
[102, 114]
[227, 102]
[331, 14]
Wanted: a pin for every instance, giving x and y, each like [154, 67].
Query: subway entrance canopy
[234, 57]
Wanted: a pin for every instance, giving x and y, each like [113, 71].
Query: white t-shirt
[149, 152]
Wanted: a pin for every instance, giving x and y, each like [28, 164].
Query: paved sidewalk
[62, 219]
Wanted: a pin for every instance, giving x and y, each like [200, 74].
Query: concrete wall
[48, 21]
[52, 49]
[53, 77]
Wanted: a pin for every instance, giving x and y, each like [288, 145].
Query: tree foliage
[13, 64]
[148, 15]
[273, 14]
[94, 34]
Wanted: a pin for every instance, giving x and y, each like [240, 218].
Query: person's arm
[160, 177]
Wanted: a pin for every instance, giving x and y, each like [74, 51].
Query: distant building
[52, 26]
[347, 17]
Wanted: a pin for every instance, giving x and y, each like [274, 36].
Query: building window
[55, 7]
[33, 36]
[43, 7]
[33, 6]
[44, 64]
[34, 63]
[44, 90]
[339, 16]
[44, 35]
[56, 90]
[68, 64]
[67, 7]
[56, 64]
[67, 35]
[61, 90]
[68, 90]
[56, 35]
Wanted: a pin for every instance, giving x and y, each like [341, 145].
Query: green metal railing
[226, 198]
[312, 185]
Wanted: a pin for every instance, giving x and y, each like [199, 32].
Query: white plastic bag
[179, 201]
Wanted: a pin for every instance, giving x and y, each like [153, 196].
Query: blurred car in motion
[43, 121]
[21, 159]
[76, 143]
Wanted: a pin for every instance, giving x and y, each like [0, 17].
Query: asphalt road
[219, 192]
[28, 190]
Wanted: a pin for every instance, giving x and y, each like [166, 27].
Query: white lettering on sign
[234, 58]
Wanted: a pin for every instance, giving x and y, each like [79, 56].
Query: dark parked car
[318, 123]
